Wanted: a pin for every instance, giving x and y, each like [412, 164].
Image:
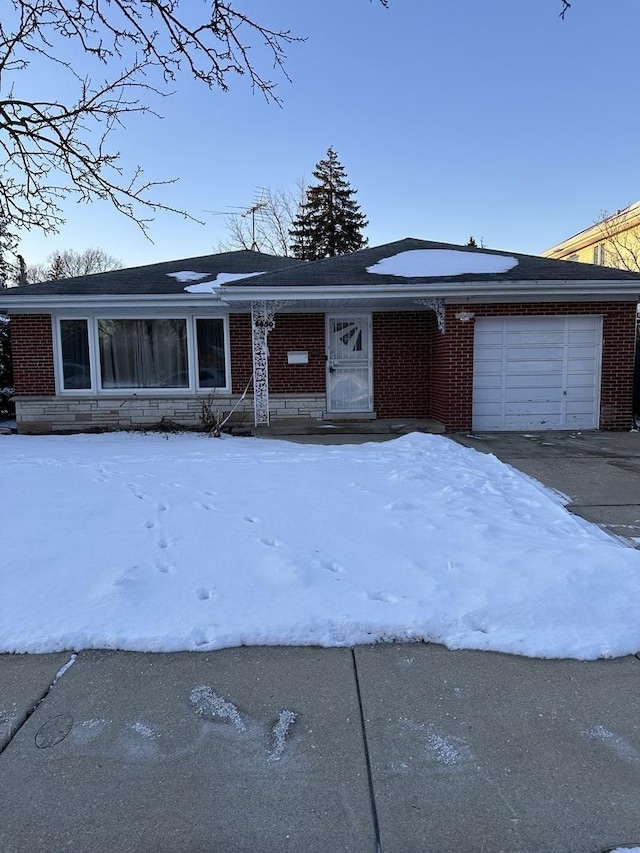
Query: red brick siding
[297, 332]
[241, 351]
[32, 347]
[452, 359]
[292, 332]
[401, 364]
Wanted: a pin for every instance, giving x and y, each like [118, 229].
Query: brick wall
[400, 358]
[452, 359]
[292, 332]
[32, 347]
[401, 385]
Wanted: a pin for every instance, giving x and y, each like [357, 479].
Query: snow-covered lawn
[181, 542]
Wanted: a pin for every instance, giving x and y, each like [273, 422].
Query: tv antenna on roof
[258, 204]
[251, 211]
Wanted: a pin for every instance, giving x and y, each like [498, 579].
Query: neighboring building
[473, 338]
[612, 242]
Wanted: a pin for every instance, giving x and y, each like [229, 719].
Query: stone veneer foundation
[76, 414]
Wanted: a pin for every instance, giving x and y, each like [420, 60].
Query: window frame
[97, 390]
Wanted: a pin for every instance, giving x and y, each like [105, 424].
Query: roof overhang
[314, 297]
[36, 304]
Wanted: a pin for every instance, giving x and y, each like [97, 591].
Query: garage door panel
[582, 407]
[586, 336]
[525, 422]
[523, 380]
[489, 395]
[581, 365]
[579, 380]
[530, 353]
[537, 372]
[488, 368]
[582, 352]
[529, 395]
[548, 407]
[534, 338]
[488, 380]
[490, 338]
[537, 368]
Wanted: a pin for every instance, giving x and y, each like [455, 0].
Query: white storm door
[349, 363]
[537, 373]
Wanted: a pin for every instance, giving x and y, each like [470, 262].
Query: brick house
[473, 338]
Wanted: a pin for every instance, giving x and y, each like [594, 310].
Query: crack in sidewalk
[24, 717]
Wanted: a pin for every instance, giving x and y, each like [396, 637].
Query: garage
[537, 373]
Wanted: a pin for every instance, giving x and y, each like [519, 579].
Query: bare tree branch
[51, 148]
[620, 233]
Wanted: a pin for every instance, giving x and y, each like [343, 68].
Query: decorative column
[436, 305]
[262, 322]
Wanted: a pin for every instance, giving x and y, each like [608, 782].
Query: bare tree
[69, 263]
[52, 147]
[620, 235]
[264, 226]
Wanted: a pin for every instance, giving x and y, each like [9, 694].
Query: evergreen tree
[472, 242]
[56, 270]
[329, 220]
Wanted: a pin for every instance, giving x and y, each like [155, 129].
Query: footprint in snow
[162, 507]
[380, 595]
[163, 543]
[135, 491]
[330, 565]
[271, 543]
[251, 519]
[205, 594]
[150, 524]
[400, 506]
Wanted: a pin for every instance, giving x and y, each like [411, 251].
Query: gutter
[227, 296]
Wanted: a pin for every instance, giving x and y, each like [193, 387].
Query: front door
[349, 363]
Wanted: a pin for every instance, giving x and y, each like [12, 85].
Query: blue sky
[493, 118]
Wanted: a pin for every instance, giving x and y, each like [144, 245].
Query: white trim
[96, 389]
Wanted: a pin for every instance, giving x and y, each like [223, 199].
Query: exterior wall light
[465, 316]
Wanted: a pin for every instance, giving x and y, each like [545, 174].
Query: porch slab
[388, 427]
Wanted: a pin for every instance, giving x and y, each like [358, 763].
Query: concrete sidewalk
[395, 748]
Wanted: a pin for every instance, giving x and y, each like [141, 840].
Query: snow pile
[221, 278]
[167, 543]
[188, 275]
[427, 263]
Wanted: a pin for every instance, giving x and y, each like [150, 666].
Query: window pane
[143, 353]
[211, 358]
[74, 339]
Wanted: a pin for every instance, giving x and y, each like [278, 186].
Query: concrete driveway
[598, 471]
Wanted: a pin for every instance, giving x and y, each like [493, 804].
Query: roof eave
[437, 290]
[226, 297]
[19, 304]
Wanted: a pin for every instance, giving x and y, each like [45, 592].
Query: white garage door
[536, 373]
